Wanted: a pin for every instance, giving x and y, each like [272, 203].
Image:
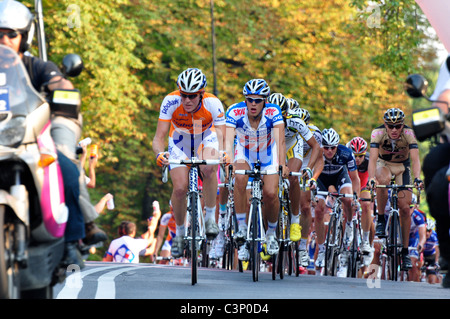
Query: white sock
[366, 235]
[210, 213]
[241, 220]
[271, 228]
[302, 244]
[295, 219]
[180, 230]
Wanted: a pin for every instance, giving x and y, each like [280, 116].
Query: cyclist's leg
[270, 211]
[294, 165]
[383, 176]
[366, 221]
[180, 185]
[319, 217]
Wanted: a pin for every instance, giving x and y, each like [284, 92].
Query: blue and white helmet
[257, 87]
[330, 137]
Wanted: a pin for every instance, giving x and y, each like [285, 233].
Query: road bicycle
[392, 242]
[287, 259]
[230, 226]
[195, 236]
[255, 231]
[334, 239]
[355, 254]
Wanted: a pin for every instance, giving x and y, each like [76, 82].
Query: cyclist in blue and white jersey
[431, 252]
[340, 172]
[417, 239]
[305, 196]
[296, 134]
[259, 129]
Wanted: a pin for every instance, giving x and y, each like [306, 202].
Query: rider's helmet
[256, 87]
[293, 104]
[430, 224]
[330, 137]
[394, 115]
[280, 100]
[303, 114]
[16, 16]
[191, 80]
[358, 145]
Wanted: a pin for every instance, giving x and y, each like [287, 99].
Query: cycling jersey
[417, 221]
[296, 132]
[363, 172]
[259, 144]
[342, 158]
[307, 149]
[335, 170]
[430, 245]
[396, 151]
[126, 249]
[168, 220]
[190, 132]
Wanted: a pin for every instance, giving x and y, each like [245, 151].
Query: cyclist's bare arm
[316, 151]
[415, 162]
[373, 156]
[159, 141]
[221, 136]
[281, 144]
[318, 166]
[356, 182]
[229, 142]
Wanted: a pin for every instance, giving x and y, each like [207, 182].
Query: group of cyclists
[273, 130]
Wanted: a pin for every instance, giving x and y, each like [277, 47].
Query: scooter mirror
[416, 86]
[72, 65]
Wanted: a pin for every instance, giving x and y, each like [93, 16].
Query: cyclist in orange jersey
[194, 121]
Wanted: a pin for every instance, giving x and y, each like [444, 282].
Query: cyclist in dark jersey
[359, 148]
[340, 173]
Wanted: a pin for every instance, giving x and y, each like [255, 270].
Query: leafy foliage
[325, 54]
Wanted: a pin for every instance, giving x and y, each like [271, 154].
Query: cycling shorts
[294, 147]
[267, 157]
[339, 181]
[400, 170]
[413, 243]
[187, 146]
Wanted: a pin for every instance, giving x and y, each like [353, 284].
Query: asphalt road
[99, 280]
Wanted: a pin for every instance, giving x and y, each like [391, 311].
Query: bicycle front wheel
[193, 239]
[254, 244]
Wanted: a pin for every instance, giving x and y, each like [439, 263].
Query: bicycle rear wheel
[330, 247]
[354, 252]
[393, 258]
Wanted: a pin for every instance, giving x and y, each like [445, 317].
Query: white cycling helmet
[257, 87]
[330, 137]
[16, 16]
[191, 80]
[280, 100]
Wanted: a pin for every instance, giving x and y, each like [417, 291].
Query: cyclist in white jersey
[297, 134]
[305, 196]
[259, 129]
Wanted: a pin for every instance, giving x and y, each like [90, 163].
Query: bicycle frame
[393, 242]
[195, 223]
[255, 231]
[334, 237]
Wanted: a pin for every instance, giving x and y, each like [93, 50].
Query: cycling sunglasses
[360, 155]
[188, 96]
[10, 34]
[329, 147]
[257, 101]
[396, 126]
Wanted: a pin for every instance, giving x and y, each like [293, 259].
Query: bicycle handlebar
[334, 194]
[395, 186]
[250, 172]
[196, 161]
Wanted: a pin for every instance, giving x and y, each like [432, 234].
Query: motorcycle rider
[16, 33]
[435, 166]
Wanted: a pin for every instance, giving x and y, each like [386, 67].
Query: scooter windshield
[17, 94]
[18, 98]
